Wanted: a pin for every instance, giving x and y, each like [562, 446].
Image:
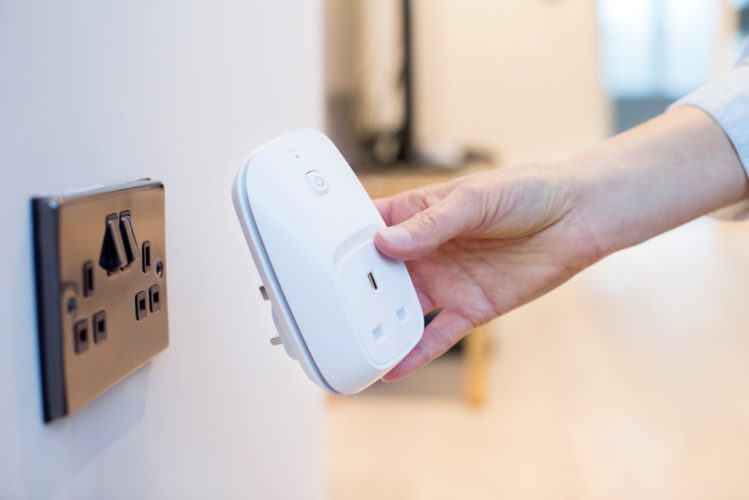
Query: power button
[317, 182]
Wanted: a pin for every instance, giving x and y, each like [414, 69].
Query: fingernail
[397, 236]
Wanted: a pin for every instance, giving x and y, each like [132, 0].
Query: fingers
[426, 230]
[441, 334]
[427, 304]
[399, 207]
[383, 205]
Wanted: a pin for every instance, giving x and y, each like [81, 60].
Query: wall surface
[104, 92]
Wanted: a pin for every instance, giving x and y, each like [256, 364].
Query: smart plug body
[347, 313]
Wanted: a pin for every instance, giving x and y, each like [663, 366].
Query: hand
[482, 245]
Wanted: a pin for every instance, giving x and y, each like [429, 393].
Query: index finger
[402, 206]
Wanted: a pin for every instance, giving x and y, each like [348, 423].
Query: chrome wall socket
[100, 261]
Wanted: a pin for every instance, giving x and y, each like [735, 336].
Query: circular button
[317, 182]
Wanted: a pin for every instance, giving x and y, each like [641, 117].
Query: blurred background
[630, 381]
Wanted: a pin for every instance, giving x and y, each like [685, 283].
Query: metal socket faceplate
[101, 289]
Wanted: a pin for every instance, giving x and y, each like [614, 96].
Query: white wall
[102, 92]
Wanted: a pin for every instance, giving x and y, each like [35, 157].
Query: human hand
[482, 245]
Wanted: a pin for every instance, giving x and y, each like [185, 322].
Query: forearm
[655, 177]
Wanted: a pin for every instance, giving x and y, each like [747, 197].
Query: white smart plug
[347, 313]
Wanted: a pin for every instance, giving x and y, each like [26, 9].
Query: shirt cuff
[727, 101]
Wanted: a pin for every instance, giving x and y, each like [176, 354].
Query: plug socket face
[378, 298]
[96, 315]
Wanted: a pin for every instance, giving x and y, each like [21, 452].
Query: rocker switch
[128, 238]
[112, 256]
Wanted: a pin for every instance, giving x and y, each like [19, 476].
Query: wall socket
[100, 261]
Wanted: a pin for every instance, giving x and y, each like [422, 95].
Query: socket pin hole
[154, 297]
[80, 331]
[88, 279]
[146, 255]
[372, 281]
[72, 306]
[141, 304]
[402, 314]
[159, 268]
[100, 326]
[377, 333]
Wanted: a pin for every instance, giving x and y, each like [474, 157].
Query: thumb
[425, 231]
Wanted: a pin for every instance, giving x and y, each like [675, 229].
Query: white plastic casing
[310, 226]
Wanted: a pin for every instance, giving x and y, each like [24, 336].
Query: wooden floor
[629, 382]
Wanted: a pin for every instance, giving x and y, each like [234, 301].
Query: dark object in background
[630, 112]
[429, 317]
[396, 147]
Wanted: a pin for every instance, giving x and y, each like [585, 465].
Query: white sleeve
[726, 99]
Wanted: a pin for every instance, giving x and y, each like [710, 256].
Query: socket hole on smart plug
[372, 281]
[159, 268]
[402, 314]
[377, 333]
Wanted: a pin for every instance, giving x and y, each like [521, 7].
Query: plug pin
[275, 341]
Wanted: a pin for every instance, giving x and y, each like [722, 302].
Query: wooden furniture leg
[475, 366]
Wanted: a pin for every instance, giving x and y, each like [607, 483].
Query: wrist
[655, 177]
[584, 215]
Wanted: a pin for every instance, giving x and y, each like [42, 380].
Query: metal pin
[275, 341]
[264, 293]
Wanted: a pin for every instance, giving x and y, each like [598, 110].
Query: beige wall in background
[518, 76]
[342, 48]
[341, 45]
